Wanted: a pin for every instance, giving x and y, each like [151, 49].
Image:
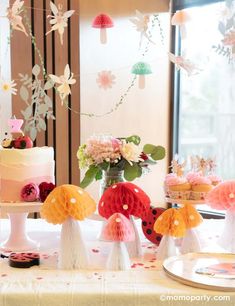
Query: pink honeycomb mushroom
[102, 22]
[118, 230]
[180, 18]
[222, 197]
[131, 201]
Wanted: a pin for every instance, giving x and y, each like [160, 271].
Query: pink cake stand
[18, 239]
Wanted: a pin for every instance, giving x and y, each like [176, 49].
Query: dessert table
[145, 284]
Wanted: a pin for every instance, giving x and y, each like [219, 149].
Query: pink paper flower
[30, 193]
[105, 79]
[45, 188]
[229, 39]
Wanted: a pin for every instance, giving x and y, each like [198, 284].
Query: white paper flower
[64, 81]
[9, 86]
[59, 20]
[105, 79]
[130, 152]
[13, 15]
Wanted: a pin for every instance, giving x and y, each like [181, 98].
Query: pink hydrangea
[103, 148]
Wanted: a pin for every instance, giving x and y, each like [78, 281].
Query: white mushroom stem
[190, 242]
[227, 238]
[166, 248]
[118, 258]
[73, 254]
[141, 81]
[134, 247]
[103, 36]
[183, 32]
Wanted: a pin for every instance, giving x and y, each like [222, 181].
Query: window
[206, 99]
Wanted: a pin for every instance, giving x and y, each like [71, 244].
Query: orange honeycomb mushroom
[170, 223]
[67, 201]
[191, 216]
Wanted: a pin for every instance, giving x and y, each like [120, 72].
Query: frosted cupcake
[215, 179]
[177, 187]
[201, 185]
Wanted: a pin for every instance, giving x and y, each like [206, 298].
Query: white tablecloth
[145, 284]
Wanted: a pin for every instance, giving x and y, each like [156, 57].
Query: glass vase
[110, 177]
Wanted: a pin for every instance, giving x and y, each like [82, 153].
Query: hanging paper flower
[59, 19]
[183, 63]
[64, 81]
[141, 23]
[105, 79]
[13, 14]
[9, 87]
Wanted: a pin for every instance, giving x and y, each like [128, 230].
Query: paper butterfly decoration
[64, 81]
[183, 63]
[13, 14]
[141, 23]
[59, 19]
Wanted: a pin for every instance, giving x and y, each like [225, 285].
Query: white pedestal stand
[18, 239]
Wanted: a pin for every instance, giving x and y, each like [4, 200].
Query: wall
[144, 112]
[5, 71]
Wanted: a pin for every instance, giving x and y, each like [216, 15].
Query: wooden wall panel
[63, 133]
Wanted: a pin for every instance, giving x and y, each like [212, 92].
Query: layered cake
[20, 167]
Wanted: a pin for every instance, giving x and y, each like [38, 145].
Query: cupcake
[215, 179]
[177, 187]
[201, 185]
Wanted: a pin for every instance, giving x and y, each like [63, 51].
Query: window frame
[175, 48]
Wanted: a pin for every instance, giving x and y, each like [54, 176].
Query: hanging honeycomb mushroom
[192, 219]
[141, 69]
[129, 200]
[65, 205]
[180, 18]
[170, 224]
[102, 22]
[118, 230]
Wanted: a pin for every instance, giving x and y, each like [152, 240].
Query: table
[145, 284]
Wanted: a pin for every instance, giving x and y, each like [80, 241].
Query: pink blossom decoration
[30, 193]
[229, 39]
[105, 79]
[222, 197]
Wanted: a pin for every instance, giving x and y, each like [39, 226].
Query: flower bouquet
[106, 153]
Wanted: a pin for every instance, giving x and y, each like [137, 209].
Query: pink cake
[20, 167]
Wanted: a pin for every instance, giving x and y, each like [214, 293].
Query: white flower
[130, 152]
[64, 80]
[9, 86]
[60, 20]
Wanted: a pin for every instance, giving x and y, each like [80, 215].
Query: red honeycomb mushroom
[129, 200]
[119, 230]
[102, 22]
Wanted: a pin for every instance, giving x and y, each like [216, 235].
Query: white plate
[182, 268]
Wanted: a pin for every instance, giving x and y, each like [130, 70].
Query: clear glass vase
[110, 177]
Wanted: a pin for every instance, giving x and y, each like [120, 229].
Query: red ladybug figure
[148, 222]
[23, 142]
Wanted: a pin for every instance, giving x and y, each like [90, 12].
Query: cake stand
[18, 239]
[185, 202]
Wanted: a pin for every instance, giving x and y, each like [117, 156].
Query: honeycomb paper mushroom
[102, 22]
[65, 205]
[170, 224]
[129, 200]
[222, 197]
[141, 69]
[180, 18]
[192, 219]
[118, 230]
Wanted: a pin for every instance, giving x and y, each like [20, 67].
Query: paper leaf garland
[105, 79]
[64, 81]
[59, 19]
[183, 63]
[8, 86]
[39, 104]
[141, 23]
[13, 14]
